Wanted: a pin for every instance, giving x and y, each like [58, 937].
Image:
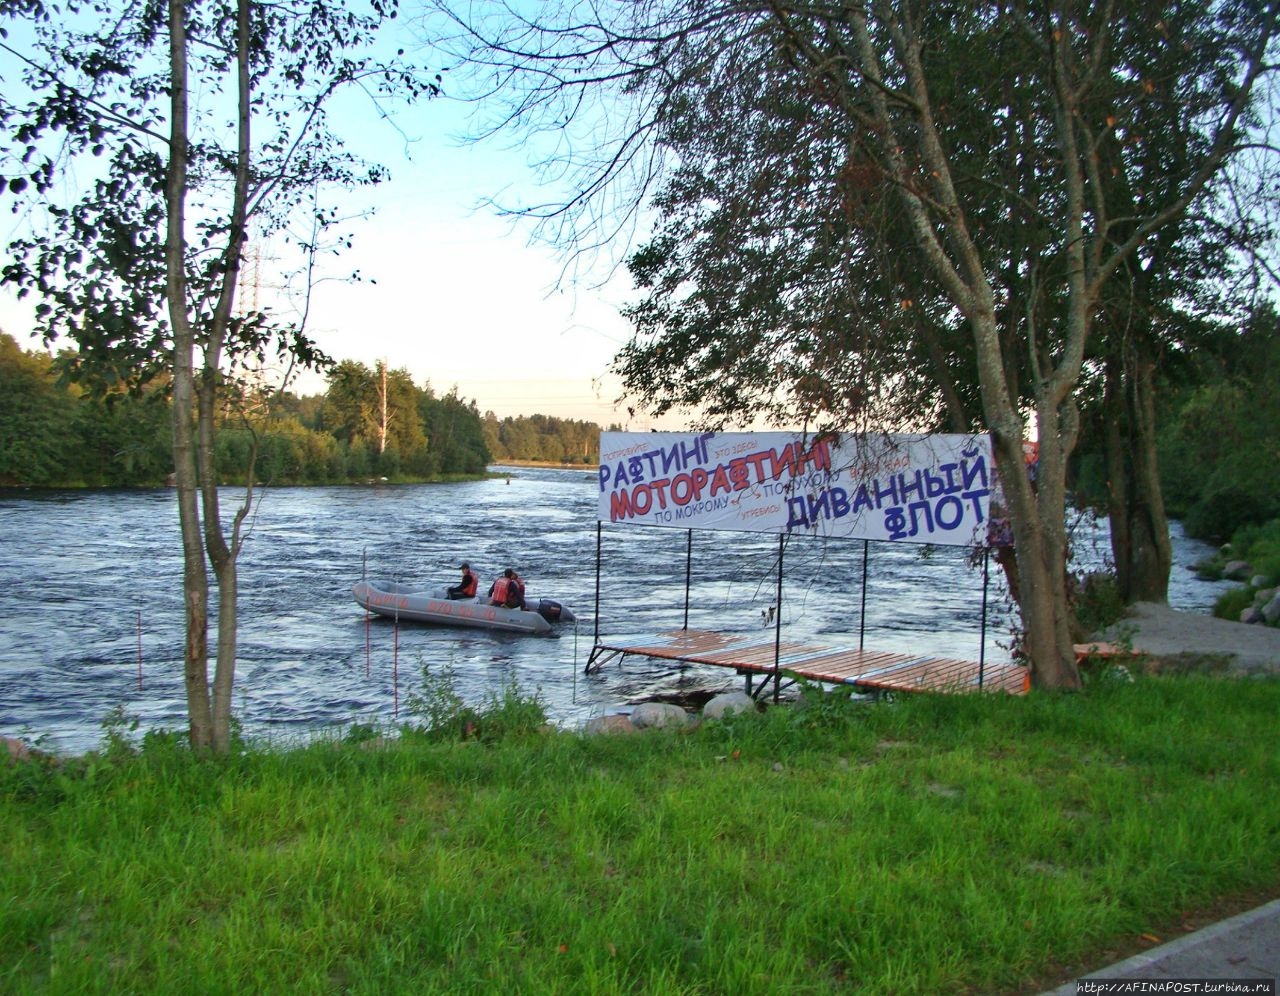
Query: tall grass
[934, 844]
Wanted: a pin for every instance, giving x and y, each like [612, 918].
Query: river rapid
[91, 616]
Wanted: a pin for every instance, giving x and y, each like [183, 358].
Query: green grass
[934, 844]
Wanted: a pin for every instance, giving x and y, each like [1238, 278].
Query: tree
[141, 270]
[985, 147]
[455, 433]
[346, 400]
[378, 407]
[1223, 470]
[124, 439]
[36, 419]
[1156, 302]
[762, 296]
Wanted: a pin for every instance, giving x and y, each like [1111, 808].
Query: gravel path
[1171, 633]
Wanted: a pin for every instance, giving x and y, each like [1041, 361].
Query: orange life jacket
[468, 587]
[500, 591]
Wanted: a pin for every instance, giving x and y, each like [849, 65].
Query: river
[91, 602]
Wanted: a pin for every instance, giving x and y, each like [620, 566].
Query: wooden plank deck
[874, 670]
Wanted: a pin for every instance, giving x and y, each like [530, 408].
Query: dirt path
[1172, 634]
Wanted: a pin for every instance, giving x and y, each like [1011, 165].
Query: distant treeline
[370, 423]
[543, 438]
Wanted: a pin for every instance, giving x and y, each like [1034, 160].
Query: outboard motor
[553, 612]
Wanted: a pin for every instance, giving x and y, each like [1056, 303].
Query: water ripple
[91, 602]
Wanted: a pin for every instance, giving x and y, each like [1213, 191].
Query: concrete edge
[1136, 965]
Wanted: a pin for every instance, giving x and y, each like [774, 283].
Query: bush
[1260, 546]
[511, 714]
[1231, 603]
[1098, 603]
[445, 716]
[1220, 514]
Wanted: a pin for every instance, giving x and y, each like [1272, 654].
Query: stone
[1271, 611]
[659, 715]
[610, 724]
[1236, 570]
[18, 751]
[727, 704]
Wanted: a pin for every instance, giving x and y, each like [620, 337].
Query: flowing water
[91, 602]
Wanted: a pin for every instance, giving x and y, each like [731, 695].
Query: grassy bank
[932, 845]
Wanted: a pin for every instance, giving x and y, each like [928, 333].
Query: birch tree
[150, 140]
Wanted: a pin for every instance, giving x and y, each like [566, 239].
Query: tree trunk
[225, 670]
[1037, 516]
[223, 555]
[1114, 438]
[195, 413]
[1149, 556]
[223, 558]
[382, 418]
[1039, 545]
[195, 580]
[1140, 544]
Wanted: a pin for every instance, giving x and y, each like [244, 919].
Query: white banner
[904, 488]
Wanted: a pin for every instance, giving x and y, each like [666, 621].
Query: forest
[371, 423]
[1218, 453]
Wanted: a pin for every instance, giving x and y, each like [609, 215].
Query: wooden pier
[779, 662]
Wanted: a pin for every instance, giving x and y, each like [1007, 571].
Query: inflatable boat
[397, 601]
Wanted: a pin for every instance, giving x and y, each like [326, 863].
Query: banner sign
[906, 488]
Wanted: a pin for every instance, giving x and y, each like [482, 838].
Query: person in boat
[466, 588]
[518, 583]
[508, 590]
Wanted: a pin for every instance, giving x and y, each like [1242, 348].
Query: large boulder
[16, 749]
[613, 723]
[1237, 570]
[727, 704]
[659, 715]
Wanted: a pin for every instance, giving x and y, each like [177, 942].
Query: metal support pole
[777, 624]
[982, 650]
[862, 612]
[596, 631]
[688, 574]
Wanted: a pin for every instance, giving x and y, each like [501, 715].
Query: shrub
[1220, 514]
[511, 714]
[444, 715]
[1260, 546]
[1231, 603]
[1098, 603]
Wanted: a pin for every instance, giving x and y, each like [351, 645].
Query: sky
[451, 292]
[462, 297]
